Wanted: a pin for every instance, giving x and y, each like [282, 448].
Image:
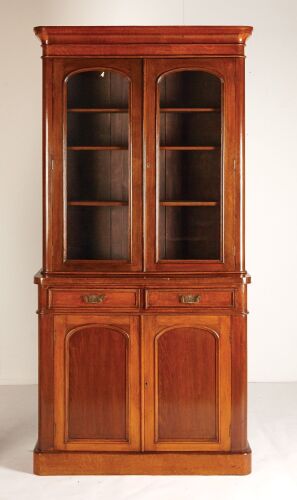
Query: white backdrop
[271, 154]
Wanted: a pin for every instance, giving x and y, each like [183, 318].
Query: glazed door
[97, 387]
[190, 135]
[96, 165]
[187, 377]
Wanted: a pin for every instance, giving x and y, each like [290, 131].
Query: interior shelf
[97, 110]
[89, 203]
[189, 148]
[190, 110]
[188, 203]
[97, 129]
[97, 148]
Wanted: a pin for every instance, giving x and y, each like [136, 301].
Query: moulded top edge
[142, 34]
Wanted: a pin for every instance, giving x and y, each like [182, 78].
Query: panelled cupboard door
[97, 387]
[190, 133]
[93, 222]
[187, 383]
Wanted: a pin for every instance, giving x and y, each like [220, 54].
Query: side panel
[239, 384]
[45, 381]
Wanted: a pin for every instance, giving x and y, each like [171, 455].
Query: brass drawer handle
[93, 299]
[189, 299]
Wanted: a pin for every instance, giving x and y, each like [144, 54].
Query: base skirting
[188, 463]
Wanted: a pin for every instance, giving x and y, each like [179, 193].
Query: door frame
[225, 69]
[220, 325]
[55, 211]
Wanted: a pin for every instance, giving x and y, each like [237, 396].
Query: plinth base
[187, 463]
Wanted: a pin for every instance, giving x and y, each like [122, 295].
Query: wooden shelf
[97, 110]
[97, 148]
[189, 148]
[98, 203]
[190, 110]
[188, 203]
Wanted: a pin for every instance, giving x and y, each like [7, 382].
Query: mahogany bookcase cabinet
[142, 295]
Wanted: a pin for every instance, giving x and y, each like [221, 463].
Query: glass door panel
[98, 166]
[189, 166]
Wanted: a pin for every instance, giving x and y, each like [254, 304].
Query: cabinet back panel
[190, 175]
[190, 89]
[189, 233]
[97, 233]
[97, 129]
[97, 175]
[96, 89]
[190, 129]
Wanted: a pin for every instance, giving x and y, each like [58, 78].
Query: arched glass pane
[97, 166]
[190, 165]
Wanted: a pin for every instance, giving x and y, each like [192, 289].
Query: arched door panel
[187, 377]
[97, 383]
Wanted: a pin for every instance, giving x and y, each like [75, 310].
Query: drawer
[187, 298]
[90, 298]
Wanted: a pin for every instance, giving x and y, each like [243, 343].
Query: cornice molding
[57, 35]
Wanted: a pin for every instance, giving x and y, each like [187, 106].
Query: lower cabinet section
[163, 387]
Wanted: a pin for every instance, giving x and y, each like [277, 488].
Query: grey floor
[272, 435]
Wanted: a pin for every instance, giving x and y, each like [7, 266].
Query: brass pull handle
[93, 299]
[189, 299]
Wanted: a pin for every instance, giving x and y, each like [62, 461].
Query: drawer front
[186, 298]
[90, 298]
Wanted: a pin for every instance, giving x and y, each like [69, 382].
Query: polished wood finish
[143, 291]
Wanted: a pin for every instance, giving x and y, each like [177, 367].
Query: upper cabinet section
[143, 152]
